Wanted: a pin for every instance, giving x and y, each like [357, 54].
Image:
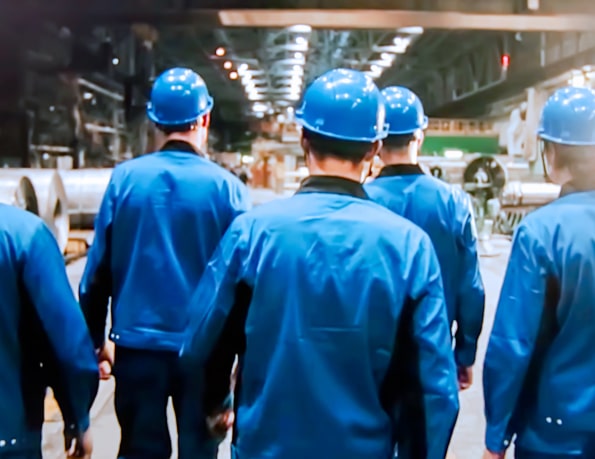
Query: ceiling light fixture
[259, 107]
[220, 51]
[300, 28]
[412, 30]
[233, 75]
[401, 43]
[227, 65]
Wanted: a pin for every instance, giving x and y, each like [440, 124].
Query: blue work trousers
[145, 380]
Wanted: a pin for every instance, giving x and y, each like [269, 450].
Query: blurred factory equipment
[84, 190]
[484, 179]
[518, 199]
[19, 192]
[51, 199]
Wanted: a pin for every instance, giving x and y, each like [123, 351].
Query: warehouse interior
[75, 77]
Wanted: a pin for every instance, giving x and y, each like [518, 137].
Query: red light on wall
[505, 60]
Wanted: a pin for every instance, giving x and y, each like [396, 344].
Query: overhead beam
[391, 19]
[319, 18]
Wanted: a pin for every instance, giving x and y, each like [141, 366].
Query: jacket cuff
[465, 354]
[497, 443]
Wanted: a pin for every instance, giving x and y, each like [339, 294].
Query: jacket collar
[332, 184]
[394, 170]
[180, 145]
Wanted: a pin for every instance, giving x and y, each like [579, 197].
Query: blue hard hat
[568, 117]
[345, 105]
[404, 111]
[179, 96]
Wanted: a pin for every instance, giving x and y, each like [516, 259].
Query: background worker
[326, 309]
[442, 211]
[43, 341]
[161, 218]
[539, 371]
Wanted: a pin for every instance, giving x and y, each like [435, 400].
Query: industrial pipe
[51, 199]
[18, 192]
[85, 189]
[529, 194]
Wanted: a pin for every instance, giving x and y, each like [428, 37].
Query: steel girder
[469, 83]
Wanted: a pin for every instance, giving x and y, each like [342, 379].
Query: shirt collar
[393, 170]
[332, 184]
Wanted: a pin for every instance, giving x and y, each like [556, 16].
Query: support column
[536, 99]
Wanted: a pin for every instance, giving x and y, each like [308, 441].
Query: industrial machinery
[484, 179]
[518, 199]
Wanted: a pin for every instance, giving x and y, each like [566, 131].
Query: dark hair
[399, 141]
[167, 130]
[323, 146]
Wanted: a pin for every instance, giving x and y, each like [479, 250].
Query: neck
[396, 157]
[335, 167]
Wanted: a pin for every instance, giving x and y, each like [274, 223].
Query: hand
[465, 376]
[105, 358]
[490, 455]
[220, 423]
[79, 445]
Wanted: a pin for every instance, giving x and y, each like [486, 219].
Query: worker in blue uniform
[161, 218]
[43, 341]
[442, 211]
[332, 316]
[539, 373]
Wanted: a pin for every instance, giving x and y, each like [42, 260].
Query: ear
[205, 121]
[305, 145]
[374, 150]
[420, 139]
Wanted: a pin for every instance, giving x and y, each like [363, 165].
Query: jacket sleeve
[514, 334]
[216, 325]
[436, 370]
[471, 295]
[48, 288]
[95, 288]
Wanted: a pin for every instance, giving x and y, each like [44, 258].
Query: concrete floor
[467, 441]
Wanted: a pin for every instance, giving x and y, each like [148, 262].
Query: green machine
[467, 136]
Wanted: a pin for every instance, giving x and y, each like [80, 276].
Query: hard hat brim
[302, 122]
[561, 141]
[422, 127]
[155, 119]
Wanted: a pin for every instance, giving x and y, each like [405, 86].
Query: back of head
[178, 100]
[342, 115]
[568, 128]
[405, 116]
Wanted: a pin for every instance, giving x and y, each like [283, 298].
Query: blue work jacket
[445, 214]
[161, 218]
[539, 373]
[43, 337]
[335, 321]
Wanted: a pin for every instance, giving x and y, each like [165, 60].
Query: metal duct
[529, 194]
[51, 199]
[18, 192]
[85, 189]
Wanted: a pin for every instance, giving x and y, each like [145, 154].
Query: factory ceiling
[459, 55]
